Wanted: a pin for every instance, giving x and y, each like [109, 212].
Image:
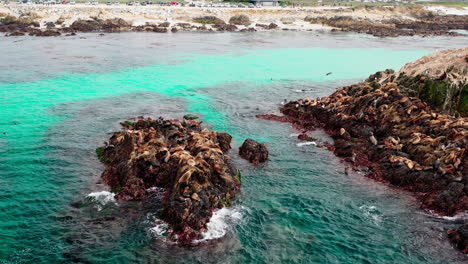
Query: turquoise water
[63, 97]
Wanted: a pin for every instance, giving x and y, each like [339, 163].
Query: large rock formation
[385, 125]
[440, 79]
[186, 160]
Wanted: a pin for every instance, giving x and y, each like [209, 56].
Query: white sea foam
[294, 135]
[221, 222]
[160, 228]
[306, 144]
[102, 198]
[460, 216]
[371, 212]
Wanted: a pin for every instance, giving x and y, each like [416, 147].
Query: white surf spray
[371, 212]
[457, 217]
[221, 222]
[306, 144]
[160, 229]
[102, 198]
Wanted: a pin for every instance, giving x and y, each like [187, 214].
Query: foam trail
[306, 144]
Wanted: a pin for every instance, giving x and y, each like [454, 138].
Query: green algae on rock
[440, 79]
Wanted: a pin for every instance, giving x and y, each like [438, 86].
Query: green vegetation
[127, 123]
[118, 189]
[434, 92]
[227, 201]
[100, 155]
[190, 117]
[208, 20]
[239, 176]
[463, 103]
[460, 3]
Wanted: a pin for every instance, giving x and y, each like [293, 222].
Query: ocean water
[62, 97]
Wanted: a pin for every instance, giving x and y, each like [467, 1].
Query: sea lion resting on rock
[186, 160]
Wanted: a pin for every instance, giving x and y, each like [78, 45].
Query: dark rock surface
[253, 151]
[459, 237]
[186, 160]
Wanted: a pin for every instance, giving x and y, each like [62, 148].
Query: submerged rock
[186, 160]
[253, 151]
[459, 237]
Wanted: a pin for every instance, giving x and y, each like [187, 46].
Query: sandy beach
[290, 18]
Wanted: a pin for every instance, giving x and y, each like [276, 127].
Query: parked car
[241, 5]
[72, 3]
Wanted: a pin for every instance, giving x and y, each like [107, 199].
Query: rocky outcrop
[208, 20]
[186, 160]
[13, 24]
[382, 125]
[253, 151]
[459, 237]
[109, 25]
[431, 25]
[440, 79]
[240, 19]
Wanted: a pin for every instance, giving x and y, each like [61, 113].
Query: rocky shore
[18, 20]
[189, 162]
[409, 129]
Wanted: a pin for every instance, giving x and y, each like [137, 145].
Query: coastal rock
[240, 19]
[160, 29]
[165, 24]
[186, 160]
[109, 25]
[208, 20]
[382, 124]
[253, 151]
[440, 79]
[272, 26]
[16, 34]
[225, 27]
[395, 27]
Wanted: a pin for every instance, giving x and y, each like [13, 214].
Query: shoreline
[376, 21]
